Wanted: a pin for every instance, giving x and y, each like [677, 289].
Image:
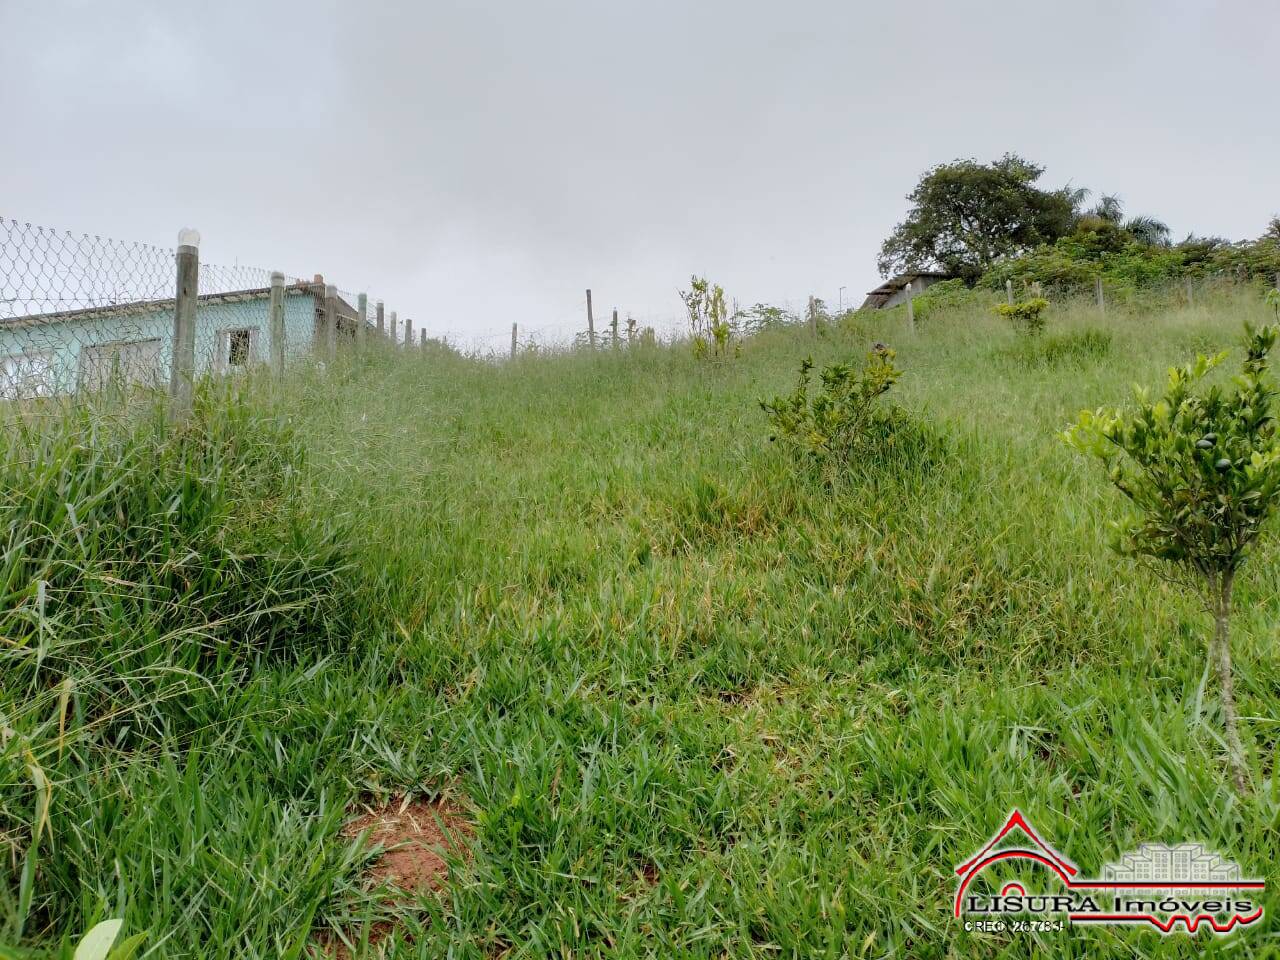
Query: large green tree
[967, 215]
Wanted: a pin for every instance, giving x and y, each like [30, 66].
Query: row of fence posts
[186, 299]
[1036, 290]
[614, 336]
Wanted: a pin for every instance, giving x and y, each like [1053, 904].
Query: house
[54, 353]
[895, 291]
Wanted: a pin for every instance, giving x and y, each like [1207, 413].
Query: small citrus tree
[708, 317]
[1027, 317]
[1201, 471]
[833, 423]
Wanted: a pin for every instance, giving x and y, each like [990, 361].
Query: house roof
[892, 286]
[136, 306]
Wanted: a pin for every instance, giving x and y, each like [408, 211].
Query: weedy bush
[941, 297]
[1201, 472]
[708, 318]
[763, 316]
[834, 423]
[1027, 316]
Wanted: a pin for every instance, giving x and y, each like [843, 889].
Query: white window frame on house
[113, 348]
[224, 364]
[27, 375]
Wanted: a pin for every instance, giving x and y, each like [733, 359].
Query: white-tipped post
[277, 323]
[186, 297]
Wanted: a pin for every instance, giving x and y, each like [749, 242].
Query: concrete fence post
[1008, 292]
[631, 330]
[362, 320]
[613, 328]
[408, 332]
[1097, 292]
[186, 295]
[277, 324]
[330, 322]
[591, 323]
[422, 338]
[382, 326]
[513, 341]
[393, 330]
[911, 306]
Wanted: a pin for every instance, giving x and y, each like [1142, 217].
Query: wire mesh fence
[69, 303]
[81, 315]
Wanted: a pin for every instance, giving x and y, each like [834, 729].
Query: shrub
[1075, 261]
[834, 423]
[1201, 472]
[946, 295]
[708, 317]
[1027, 317]
[763, 316]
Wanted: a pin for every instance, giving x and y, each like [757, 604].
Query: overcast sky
[474, 163]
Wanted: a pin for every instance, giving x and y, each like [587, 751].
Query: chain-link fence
[67, 302]
[80, 314]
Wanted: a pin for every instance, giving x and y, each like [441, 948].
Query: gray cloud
[479, 163]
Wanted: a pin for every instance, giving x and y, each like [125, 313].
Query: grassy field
[691, 700]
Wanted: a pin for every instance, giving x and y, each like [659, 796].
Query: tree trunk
[1222, 655]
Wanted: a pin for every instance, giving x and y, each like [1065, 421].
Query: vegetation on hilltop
[988, 224]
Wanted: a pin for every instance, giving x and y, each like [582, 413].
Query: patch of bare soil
[415, 835]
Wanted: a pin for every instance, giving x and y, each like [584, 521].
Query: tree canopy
[967, 215]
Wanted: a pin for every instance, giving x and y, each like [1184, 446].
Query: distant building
[84, 349]
[893, 292]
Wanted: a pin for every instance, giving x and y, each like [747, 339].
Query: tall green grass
[146, 567]
[696, 701]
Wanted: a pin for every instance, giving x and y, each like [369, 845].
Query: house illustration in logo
[1182, 862]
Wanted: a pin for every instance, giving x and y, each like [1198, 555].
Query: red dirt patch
[414, 835]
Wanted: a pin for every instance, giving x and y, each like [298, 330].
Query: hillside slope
[692, 700]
